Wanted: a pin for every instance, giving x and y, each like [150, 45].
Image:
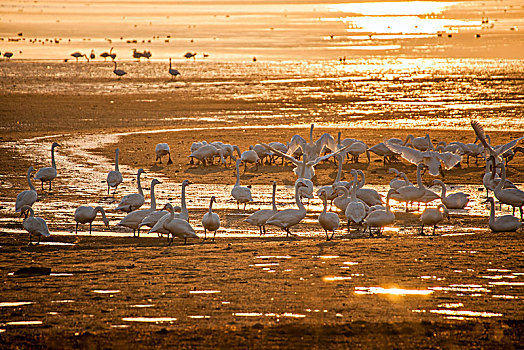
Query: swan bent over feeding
[27, 197]
[135, 200]
[87, 214]
[48, 174]
[505, 223]
[161, 150]
[134, 218]
[329, 221]
[35, 226]
[114, 177]
[285, 219]
[380, 218]
[432, 216]
[260, 217]
[241, 194]
[457, 200]
[176, 227]
[211, 221]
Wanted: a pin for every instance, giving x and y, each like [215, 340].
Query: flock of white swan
[362, 207]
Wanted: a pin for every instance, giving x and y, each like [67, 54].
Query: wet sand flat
[461, 288]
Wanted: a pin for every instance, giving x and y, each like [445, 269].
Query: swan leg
[332, 235]
[39, 238]
[169, 160]
[185, 240]
[205, 234]
[42, 181]
[245, 207]
[421, 233]
[327, 236]
[50, 186]
[214, 235]
[76, 228]
[138, 231]
[260, 227]
[108, 189]
[30, 243]
[90, 225]
[264, 226]
[434, 228]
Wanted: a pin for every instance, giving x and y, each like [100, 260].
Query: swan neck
[388, 208]
[116, 160]
[443, 193]
[339, 173]
[138, 184]
[311, 133]
[102, 212]
[210, 206]
[53, 163]
[324, 201]
[153, 200]
[273, 199]
[31, 186]
[298, 200]
[502, 179]
[419, 178]
[363, 181]
[492, 210]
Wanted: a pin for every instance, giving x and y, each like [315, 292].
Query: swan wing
[296, 142]
[410, 154]
[327, 156]
[449, 159]
[284, 155]
[506, 147]
[326, 140]
[27, 197]
[479, 131]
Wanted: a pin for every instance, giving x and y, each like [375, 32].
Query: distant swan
[260, 217]
[114, 177]
[27, 197]
[173, 71]
[119, 72]
[211, 221]
[134, 218]
[35, 226]
[241, 194]
[48, 174]
[135, 200]
[505, 223]
[432, 216]
[86, 214]
[161, 150]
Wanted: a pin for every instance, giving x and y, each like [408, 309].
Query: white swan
[250, 156]
[135, 200]
[433, 160]
[119, 72]
[35, 226]
[158, 226]
[262, 152]
[207, 152]
[27, 197]
[381, 150]
[87, 214]
[331, 194]
[505, 223]
[498, 151]
[329, 221]
[356, 211]
[491, 179]
[397, 182]
[176, 227]
[288, 218]
[457, 200]
[342, 200]
[312, 148]
[380, 218]
[356, 149]
[432, 216]
[161, 150]
[134, 218]
[48, 174]
[211, 221]
[241, 194]
[411, 193]
[114, 177]
[172, 71]
[153, 218]
[420, 143]
[260, 217]
[509, 196]
[368, 195]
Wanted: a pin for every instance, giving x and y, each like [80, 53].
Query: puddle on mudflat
[451, 305]
[498, 277]
[119, 326]
[335, 278]
[326, 256]
[149, 319]
[392, 291]
[273, 257]
[503, 283]
[63, 301]
[57, 243]
[505, 296]
[498, 270]
[60, 274]
[103, 291]
[264, 265]
[270, 314]
[204, 291]
[15, 303]
[199, 317]
[465, 313]
[143, 305]
[24, 323]
[465, 288]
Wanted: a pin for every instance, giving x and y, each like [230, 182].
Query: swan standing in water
[241, 194]
[285, 219]
[114, 177]
[134, 218]
[87, 214]
[27, 197]
[119, 72]
[509, 196]
[176, 227]
[368, 195]
[211, 221]
[158, 225]
[35, 226]
[505, 223]
[432, 216]
[135, 200]
[329, 221]
[457, 200]
[411, 193]
[260, 217]
[48, 174]
[172, 71]
[380, 218]
[356, 209]
[161, 150]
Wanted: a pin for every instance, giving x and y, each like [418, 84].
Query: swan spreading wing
[481, 135]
